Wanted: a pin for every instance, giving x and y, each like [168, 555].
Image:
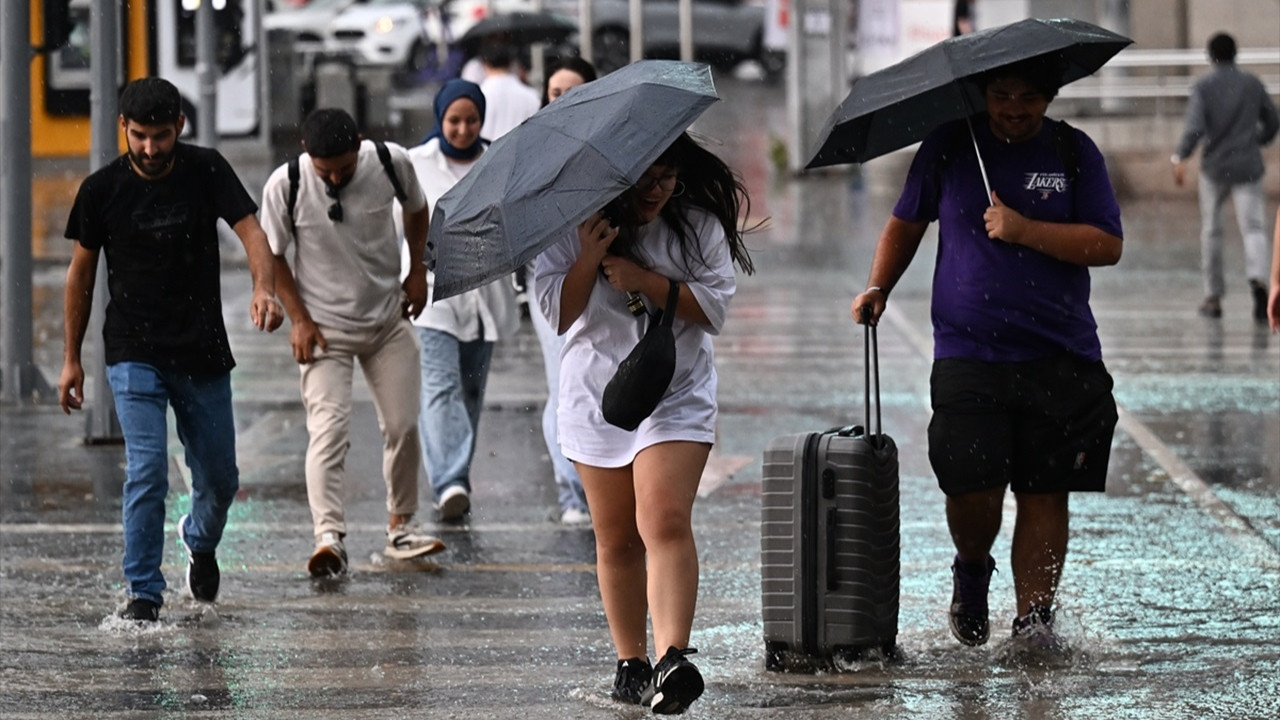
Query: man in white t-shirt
[509, 101]
[343, 294]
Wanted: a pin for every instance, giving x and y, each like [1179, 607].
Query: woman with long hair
[680, 223]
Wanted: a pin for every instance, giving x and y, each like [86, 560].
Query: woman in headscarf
[457, 334]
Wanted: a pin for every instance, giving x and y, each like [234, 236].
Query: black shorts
[1043, 426]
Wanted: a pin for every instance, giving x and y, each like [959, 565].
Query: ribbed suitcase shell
[829, 548]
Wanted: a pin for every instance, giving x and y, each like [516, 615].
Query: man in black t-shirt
[154, 211]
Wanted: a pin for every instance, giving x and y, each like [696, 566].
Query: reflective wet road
[1171, 596]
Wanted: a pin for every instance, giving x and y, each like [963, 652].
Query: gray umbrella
[899, 105]
[558, 167]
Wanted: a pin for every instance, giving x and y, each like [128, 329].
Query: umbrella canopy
[558, 167]
[899, 105]
[520, 28]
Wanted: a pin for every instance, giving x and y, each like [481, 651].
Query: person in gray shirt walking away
[1232, 113]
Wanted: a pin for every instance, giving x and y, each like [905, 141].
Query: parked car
[308, 23]
[725, 32]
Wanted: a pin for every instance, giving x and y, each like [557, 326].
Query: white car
[395, 33]
[308, 23]
[407, 34]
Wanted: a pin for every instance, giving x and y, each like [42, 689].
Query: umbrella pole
[981, 166]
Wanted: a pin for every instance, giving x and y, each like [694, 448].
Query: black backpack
[384, 155]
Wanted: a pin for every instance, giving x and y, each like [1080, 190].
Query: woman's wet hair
[330, 132]
[151, 101]
[708, 183]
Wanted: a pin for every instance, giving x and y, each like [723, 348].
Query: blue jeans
[568, 484]
[453, 379]
[206, 428]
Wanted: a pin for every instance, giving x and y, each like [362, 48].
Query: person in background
[153, 212]
[1021, 398]
[678, 225]
[347, 303]
[510, 102]
[561, 77]
[1231, 112]
[962, 18]
[1273, 304]
[457, 334]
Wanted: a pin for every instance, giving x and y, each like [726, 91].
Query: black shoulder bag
[642, 378]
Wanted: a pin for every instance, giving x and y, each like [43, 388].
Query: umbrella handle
[982, 167]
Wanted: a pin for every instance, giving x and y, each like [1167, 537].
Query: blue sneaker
[970, 623]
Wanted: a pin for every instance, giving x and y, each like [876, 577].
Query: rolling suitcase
[829, 542]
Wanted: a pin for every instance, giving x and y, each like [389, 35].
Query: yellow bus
[157, 38]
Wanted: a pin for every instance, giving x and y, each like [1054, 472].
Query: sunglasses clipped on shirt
[335, 210]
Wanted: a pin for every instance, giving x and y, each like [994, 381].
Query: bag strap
[667, 315]
[384, 155]
[294, 173]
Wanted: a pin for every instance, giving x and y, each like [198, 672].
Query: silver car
[725, 32]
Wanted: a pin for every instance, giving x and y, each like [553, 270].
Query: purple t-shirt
[994, 301]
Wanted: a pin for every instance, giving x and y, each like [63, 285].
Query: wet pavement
[1170, 598]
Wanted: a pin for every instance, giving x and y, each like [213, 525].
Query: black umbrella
[519, 29]
[558, 167]
[899, 105]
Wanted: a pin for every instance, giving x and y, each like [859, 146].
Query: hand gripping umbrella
[899, 105]
[558, 167]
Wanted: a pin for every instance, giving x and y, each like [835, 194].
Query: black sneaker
[1211, 307]
[1033, 633]
[632, 678]
[1259, 289]
[203, 577]
[969, 615]
[140, 610]
[675, 685]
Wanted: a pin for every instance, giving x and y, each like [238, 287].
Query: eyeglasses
[666, 182]
[335, 210]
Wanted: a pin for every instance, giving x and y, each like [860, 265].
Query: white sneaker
[455, 501]
[408, 541]
[575, 517]
[330, 557]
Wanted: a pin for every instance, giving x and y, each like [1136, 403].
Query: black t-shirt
[161, 244]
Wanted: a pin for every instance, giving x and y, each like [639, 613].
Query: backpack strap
[384, 155]
[1067, 145]
[294, 173]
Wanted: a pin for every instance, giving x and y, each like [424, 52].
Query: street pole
[635, 17]
[685, 9]
[101, 423]
[20, 381]
[586, 32]
[207, 74]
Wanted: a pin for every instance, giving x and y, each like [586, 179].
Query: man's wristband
[878, 289]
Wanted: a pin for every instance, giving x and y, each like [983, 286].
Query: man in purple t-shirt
[1020, 396]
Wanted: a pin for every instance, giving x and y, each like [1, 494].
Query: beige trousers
[388, 357]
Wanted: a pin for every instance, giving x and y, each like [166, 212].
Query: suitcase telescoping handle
[871, 354]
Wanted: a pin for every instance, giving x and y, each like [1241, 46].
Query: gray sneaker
[409, 541]
[330, 557]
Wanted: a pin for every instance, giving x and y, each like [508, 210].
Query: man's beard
[153, 166]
